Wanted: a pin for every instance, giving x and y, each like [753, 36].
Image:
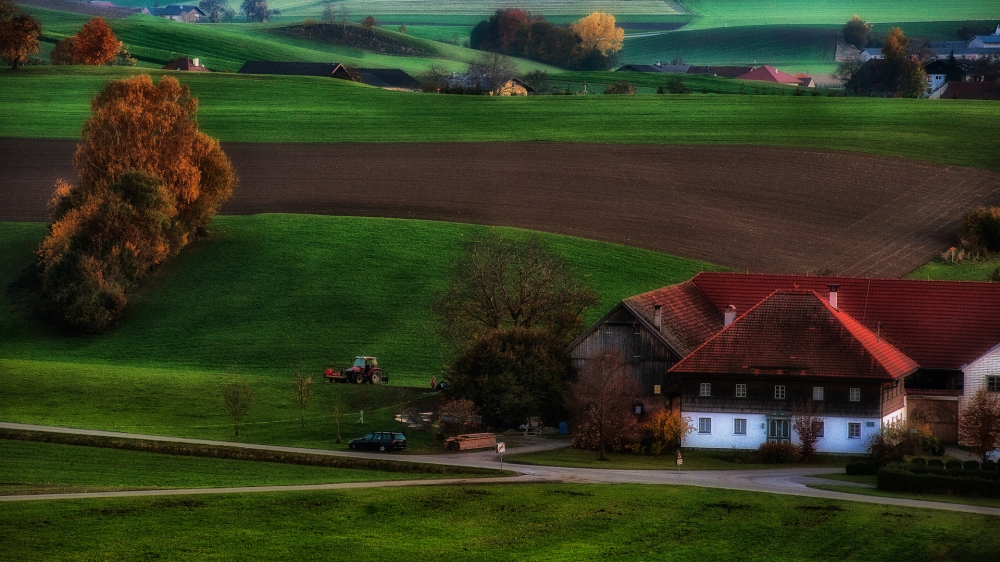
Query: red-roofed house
[770, 74]
[935, 327]
[184, 63]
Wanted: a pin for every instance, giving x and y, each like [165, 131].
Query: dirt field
[755, 208]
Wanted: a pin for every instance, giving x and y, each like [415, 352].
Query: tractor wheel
[359, 378]
[376, 377]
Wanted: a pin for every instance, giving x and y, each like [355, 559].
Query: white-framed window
[855, 395]
[706, 389]
[705, 425]
[741, 391]
[817, 393]
[854, 431]
[993, 384]
[822, 428]
[779, 392]
[739, 426]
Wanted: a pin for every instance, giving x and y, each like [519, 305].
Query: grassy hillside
[649, 82]
[269, 292]
[53, 102]
[228, 46]
[735, 13]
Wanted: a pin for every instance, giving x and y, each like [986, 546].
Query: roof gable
[769, 74]
[940, 324]
[796, 333]
[687, 317]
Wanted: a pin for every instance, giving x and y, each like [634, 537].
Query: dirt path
[789, 481]
[761, 209]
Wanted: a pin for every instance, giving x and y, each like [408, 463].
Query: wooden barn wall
[798, 393]
[650, 359]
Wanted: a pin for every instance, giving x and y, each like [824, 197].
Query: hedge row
[242, 453]
[918, 479]
[864, 468]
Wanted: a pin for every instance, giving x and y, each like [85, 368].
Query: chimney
[656, 317]
[729, 315]
[833, 294]
[195, 61]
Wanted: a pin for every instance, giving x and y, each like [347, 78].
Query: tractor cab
[366, 363]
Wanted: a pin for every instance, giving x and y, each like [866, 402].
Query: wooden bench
[471, 441]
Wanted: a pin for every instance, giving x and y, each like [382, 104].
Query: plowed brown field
[756, 208]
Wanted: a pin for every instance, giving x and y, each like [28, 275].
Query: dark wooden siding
[892, 397]
[798, 392]
[620, 330]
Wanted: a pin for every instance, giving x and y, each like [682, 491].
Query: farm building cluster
[741, 354]
[765, 73]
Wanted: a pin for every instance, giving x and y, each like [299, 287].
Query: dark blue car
[380, 441]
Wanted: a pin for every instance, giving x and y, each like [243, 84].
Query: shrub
[970, 465]
[778, 453]
[865, 468]
[989, 466]
[935, 463]
[620, 88]
[915, 479]
[981, 230]
[663, 431]
[677, 86]
[953, 465]
[918, 461]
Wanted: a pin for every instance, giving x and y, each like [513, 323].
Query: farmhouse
[392, 78]
[969, 91]
[485, 83]
[658, 67]
[184, 63]
[991, 41]
[724, 71]
[900, 344]
[180, 12]
[331, 70]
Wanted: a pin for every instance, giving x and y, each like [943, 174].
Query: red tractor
[365, 369]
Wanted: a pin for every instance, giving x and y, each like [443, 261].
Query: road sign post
[501, 447]
[680, 461]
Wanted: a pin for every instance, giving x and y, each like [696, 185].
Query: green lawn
[47, 468]
[508, 522]
[735, 13]
[967, 270]
[53, 103]
[648, 82]
[693, 460]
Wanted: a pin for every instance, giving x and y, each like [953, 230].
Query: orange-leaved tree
[598, 31]
[147, 182]
[18, 34]
[96, 44]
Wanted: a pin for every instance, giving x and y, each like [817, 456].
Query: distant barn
[388, 78]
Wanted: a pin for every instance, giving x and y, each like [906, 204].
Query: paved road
[789, 481]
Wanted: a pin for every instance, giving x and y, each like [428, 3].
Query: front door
[779, 431]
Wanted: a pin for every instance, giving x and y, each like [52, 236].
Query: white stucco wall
[975, 375]
[835, 433]
[899, 415]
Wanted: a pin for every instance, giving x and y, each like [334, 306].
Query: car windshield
[359, 362]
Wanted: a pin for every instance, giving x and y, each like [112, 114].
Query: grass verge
[966, 500]
[506, 522]
[693, 460]
[44, 466]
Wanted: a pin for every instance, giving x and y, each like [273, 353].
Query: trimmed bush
[921, 480]
[865, 468]
[620, 88]
[970, 465]
[778, 453]
[918, 461]
[953, 465]
[989, 466]
[935, 463]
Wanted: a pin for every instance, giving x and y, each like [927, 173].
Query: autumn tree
[598, 31]
[979, 423]
[512, 373]
[663, 431]
[456, 416]
[501, 282]
[237, 397]
[256, 10]
[303, 392]
[64, 52]
[113, 227]
[602, 402]
[96, 44]
[856, 32]
[368, 23]
[18, 34]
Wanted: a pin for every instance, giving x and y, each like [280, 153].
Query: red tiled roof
[687, 317]
[939, 324]
[769, 74]
[797, 333]
[972, 91]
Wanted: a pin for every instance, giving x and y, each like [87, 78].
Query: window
[822, 428]
[817, 393]
[740, 426]
[636, 330]
[706, 389]
[855, 395]
[705, 425]
[779, 392]
[741, 391]
[854, 430]
[993, 384]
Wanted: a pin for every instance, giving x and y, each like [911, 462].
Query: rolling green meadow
[500, 522]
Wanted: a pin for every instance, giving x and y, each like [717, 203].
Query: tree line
[588, 44]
